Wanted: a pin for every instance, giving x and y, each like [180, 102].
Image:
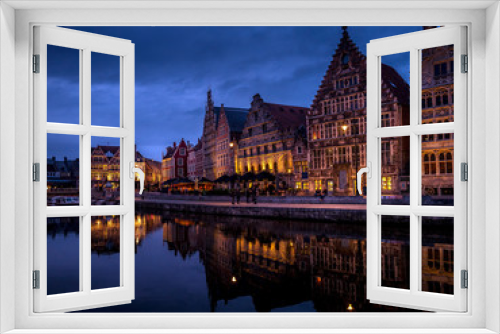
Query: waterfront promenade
[286, 209]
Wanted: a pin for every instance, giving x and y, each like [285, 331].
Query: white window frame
[483, 100]
[413, 43]
[84, 44]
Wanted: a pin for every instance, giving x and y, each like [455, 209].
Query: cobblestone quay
[319, 212]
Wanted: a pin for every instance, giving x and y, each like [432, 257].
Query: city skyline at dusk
[283, 64]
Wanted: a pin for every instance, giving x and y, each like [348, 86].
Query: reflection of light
[291, 243]
[233, 279]
[136, 241]
[350, 308]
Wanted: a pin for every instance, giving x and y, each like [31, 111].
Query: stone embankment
[267, 207]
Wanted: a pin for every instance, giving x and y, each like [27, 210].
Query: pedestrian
[323, 194]
[238, 192]
[254, 194]
[233, 193]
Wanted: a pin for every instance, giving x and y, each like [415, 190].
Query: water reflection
[194, 263]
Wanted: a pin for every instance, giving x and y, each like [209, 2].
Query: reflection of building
[105, 172]
[437, 107]
[336, 124]
[268, 139]
[221, 130]
[174, 161]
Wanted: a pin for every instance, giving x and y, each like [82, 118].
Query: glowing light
[231, 144]
[350, 308]
[234, 279]
[344, 127]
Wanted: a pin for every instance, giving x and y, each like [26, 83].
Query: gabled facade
[268, 137]
[437, 107]
[229, 128]
[175, 161]
[336, 125]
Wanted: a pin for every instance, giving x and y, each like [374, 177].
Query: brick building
[336, 125]
[437, 107]
[268, 139]
[229, 128]
[222, 129]
[175, 161]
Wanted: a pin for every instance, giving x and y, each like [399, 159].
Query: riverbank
[307, 211]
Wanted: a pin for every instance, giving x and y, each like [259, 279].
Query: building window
[386, 182]
[445, 163]
[258, 150]
[180, 172]
[266, 150]
[180, 162]
[250, 132]
[299, 149]
[316, 159]
[182, 151]
[329, 157]
[386, 153]
[264, 128]
[274, 147]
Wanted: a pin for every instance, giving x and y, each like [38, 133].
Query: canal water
[194, 263]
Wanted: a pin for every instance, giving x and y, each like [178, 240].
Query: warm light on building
[350, 308]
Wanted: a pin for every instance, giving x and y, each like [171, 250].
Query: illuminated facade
[437, 107]
[268, 139]
[222, 129]
[336, 125]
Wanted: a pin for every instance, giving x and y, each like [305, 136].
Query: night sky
[175, 66]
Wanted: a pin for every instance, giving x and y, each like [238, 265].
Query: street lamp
[344, 127]
[231, 144]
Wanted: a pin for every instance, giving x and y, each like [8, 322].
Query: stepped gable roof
[287, 116]
[396, 84]
[356, 64]
[108, 148]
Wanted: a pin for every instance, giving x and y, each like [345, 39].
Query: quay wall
[256, 211]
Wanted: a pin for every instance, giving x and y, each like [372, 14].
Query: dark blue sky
[176, 65]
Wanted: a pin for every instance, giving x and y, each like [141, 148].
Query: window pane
[105, 89]
[437, 169]
[63, 85]
[395, 167]
[396, 252]
[105, 177]
[63, 170]
[437, 254]
[437, 84]
[63, 255]
[105, 259]
[395, 108]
